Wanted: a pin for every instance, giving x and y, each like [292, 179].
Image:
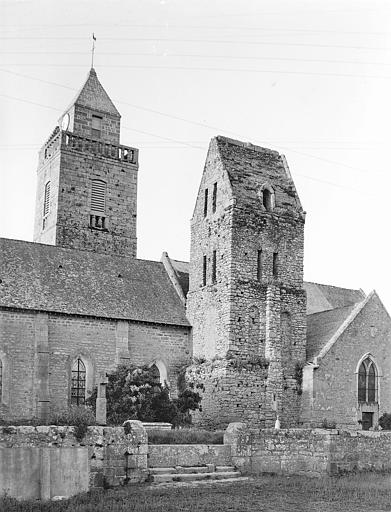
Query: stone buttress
[246, 300]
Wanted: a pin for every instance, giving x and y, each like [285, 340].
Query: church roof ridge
[75, 282]
[245, 145]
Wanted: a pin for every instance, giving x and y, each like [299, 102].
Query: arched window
[367, 381]
[266, 195]
[155, 374]
[159, 370]
[78, 386]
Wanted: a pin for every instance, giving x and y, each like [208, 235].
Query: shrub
[78, 416]
[385, 421]
[185, 436]
[133, 393]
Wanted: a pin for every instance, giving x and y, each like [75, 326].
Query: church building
[263, 343]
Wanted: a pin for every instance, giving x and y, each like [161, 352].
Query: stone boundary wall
[311, 452]
[113, 457]
[171, 455]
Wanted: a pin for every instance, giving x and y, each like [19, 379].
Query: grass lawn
[367, 492]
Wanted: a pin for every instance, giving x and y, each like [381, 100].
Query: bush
[78, 416]
[329, 424]
[134, 394]
[185, 436]
[385, 421]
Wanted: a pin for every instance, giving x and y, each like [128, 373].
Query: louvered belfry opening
[46, 204]
[98, 204]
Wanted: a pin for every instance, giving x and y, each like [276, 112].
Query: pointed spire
[92, 95]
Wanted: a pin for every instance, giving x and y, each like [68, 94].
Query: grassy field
[369, 493]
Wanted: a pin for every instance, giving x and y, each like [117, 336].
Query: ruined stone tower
[246, 300]
[87, 180]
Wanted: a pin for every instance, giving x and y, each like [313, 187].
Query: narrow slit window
[259, 265]
[214, 201]
[98, 196]
[214, 260]
[275, 264]
[206, 203]
[204, 271]
[78, 387]
[96, 127]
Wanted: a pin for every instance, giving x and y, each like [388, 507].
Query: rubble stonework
[248, 311]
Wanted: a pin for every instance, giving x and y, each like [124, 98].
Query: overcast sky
[311, 79]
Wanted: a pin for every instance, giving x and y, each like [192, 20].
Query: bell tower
[246, 300]
[87, 181]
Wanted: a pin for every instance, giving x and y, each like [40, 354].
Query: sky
[310, 79]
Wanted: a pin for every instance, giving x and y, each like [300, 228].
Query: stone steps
[192, 473]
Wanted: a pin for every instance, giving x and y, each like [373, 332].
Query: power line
[204, 56]
[198, 41]
[213, 69]
[205, 126]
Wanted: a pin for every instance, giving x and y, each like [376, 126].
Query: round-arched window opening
[267, 199]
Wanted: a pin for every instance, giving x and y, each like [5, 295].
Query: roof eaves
[342, 328]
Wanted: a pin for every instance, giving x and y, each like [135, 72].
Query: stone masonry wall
[114, 456]
[71, 171]
[312, 452]
[41, 347]
[251, 312]
[334, 395]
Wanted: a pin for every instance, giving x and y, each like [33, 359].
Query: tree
[134, 393]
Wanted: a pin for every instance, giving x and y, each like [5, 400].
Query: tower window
[259, 265]
[206, 203]
[214, 198]
[96, 127]
[266, 196]
[46, 204]
[98, 196]
[214, 267]
[204, 264]
[275, 264]
[78, 386]
[367, 377]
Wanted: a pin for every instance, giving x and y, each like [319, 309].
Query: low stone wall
[311, 452]
[43, 462]
[169, 455]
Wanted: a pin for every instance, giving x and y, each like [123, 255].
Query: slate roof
[321, 297]
[322, 326]
[49, 278]
[182, 271]
[92, 95]
[249, 166]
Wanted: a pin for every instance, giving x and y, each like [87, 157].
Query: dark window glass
[362, 383]
[204, 271]
[214, 267]
[206, 203]
[96, 127]
[267, 200]
[214, 197]
[259, 265]
[78, 387]
[371, 384]
[275, 264]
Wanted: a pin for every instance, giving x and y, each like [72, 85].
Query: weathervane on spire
[93, 49]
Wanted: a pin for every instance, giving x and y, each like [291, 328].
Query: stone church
[77, 301]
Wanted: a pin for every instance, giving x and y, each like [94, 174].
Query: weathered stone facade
[68, 213]
[246, 300]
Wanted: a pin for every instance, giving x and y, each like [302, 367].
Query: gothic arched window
[367, 381]
[78, 386]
